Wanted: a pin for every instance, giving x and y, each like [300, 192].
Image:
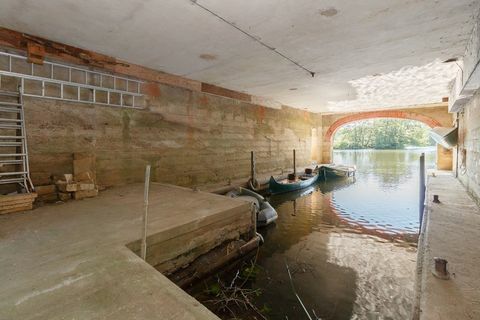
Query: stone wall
[190, 138]
[469, 146]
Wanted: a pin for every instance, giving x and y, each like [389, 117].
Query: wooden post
[252, 167]
[422, 189]
[294, 164]
[145, 213]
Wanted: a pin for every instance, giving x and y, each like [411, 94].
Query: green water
[349, 245]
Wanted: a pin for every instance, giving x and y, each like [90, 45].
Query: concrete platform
[451, 230]
[70, 261]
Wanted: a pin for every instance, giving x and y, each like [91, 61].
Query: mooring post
[252, 166]
[143, 253]
[422, 189]
[294, 164]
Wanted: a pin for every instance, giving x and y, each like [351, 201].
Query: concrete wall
[469, 146]
[190, 138]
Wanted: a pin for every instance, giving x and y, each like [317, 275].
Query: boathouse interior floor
[451, 230]
[70, 260]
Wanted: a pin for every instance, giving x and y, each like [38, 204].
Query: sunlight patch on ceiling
[408, 86]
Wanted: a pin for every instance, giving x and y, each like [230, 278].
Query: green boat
[287, 185]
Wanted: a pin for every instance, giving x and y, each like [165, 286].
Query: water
[349, 246]
[385, 196]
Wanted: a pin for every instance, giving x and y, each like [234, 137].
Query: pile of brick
[47, 193]
[79, 185]
[82, 187]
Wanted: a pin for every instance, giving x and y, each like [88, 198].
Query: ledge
[451, 230]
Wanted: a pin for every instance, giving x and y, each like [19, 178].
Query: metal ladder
[14, 168]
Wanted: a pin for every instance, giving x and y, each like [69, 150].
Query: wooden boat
[338, 171]
[294, 183]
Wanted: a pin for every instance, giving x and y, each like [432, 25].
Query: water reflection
[387, 196]
[335, 238]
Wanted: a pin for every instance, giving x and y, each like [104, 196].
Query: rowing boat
[292, 184]
[338, 171]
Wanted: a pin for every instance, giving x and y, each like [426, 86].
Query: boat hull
[275, 187]
[336, 172]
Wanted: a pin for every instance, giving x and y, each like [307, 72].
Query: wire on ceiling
[274, 50]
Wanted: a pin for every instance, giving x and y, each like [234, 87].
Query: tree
[382, 134]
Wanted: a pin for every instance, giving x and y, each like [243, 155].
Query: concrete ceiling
[365, 54]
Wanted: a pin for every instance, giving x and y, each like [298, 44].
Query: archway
[340, 120]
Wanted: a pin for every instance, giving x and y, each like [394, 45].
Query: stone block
[85, 186]
[64, 196]
[45, 190]
[67, 187]
[84, 166]
[84, 177]
[50, 197]
[68, 177]
[85, 194]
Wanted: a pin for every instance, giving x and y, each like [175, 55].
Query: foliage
[382, 134]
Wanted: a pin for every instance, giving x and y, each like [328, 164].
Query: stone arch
[432, 117]
[380, 114]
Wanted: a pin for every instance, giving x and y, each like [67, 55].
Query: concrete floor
[451, 231]
[69, 261]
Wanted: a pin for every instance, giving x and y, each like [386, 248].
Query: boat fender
[266, 215]
[233, 193]
[251, 199]
[246, 192]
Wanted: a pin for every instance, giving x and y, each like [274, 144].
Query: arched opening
[390, 147]
[443, 160]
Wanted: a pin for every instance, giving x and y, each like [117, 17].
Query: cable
[195, 2]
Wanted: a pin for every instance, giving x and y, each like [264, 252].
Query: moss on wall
[189, 138]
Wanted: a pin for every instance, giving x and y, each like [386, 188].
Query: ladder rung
[13, 180]
[14, 104]
[10, 120]
[10, 143]
[6, 162]
[9, 93]
[8, 109]
[11, 137]
[12, 154]
[3, 174]
[10, 126]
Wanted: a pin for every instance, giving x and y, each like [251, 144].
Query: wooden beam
[35, 53]
[219, 91]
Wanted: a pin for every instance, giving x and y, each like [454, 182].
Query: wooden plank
[15, 205]
[17, 209]
[35, 53]
[6, 199]
[45, 190]
[219, 91]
